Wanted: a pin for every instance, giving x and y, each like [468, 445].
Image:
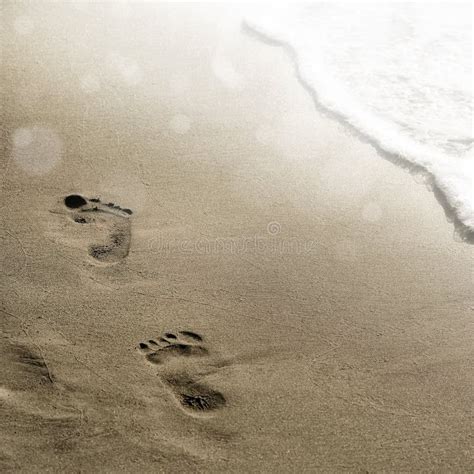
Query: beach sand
[308, 304]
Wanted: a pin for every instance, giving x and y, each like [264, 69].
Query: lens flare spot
[226, 73]
[36, 150]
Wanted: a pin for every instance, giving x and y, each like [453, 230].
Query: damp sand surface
[202, 273]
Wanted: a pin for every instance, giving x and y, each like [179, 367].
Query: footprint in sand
[23, 367]
[181, 359]
[113, 220]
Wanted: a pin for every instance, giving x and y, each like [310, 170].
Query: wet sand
[279, 297]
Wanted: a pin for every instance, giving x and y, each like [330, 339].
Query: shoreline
[464, 232]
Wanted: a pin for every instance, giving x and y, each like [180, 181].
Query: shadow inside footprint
[180, 360]
[195, 396]
[173, 350]
[74, 201]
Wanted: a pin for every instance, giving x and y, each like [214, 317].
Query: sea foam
[399, 74]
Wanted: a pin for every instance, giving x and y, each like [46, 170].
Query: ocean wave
[414, 106]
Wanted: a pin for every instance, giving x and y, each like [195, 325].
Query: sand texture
[200, 272]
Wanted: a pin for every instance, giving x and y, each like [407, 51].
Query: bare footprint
[111, 218]
[23, 367]
[181, 359]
